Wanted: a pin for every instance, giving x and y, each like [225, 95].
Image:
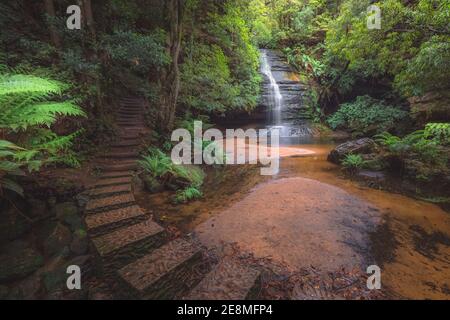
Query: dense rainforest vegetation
[87, 113]
[198, 58]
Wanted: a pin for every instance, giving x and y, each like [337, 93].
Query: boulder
[372, 176]
[80, 243]
[13, 224]
[152, 185]
[431, 107]
[28, 289]
[38, 208]
[17, 264]
[3, 292]
[58, 240]
[360, 146]
[67, 213]
[82, 199]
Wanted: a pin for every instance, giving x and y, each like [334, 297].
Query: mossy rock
[152, 185]
[13, 225]
[68, 214]
[58, 240]
[19, 264]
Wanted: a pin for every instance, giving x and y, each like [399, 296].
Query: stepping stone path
[137, 251]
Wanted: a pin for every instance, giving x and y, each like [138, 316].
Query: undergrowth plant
[159, 166]
[353, 162]
[28, 109]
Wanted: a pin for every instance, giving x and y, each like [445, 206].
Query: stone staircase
[136, 251]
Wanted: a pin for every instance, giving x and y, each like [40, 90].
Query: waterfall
[276, 99]
[283, 99]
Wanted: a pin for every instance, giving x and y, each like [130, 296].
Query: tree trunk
[50, 11]
[171, 78]
[89, 17]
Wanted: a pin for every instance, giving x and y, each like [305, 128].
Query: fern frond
[9, 184]
[28, 84]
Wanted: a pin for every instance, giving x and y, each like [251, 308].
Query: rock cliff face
[291, 89]
[433, 106]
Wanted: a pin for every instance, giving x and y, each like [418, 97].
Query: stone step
[126, 116]
[139, 123]
[132, 102]
[122, 155]
[110, 190]
[122, 246]
[116, 174]
[158, 275]
[111, 202]
[126, 143]
[104, 222]
[130, 113]
[129, 109]
[130, 125]
[229, 280]
[114, 167]
[111, 182]
[133, 129]
[127, 136]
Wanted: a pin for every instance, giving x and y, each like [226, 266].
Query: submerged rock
[364, 146]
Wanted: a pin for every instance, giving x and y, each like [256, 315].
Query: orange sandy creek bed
[308, 215]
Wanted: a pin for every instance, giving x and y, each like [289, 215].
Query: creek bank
[381, 170]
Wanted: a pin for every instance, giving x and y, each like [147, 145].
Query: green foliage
[411, 47]
[220, 72]
[366, 115]
[9, 167]
[27, 114]
[422, 149]
[439, 132]
[188, 194]
[353, 162]
[156, 163]
[160, 166]
[137, 51]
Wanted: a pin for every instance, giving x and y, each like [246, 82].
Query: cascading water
[275, 97]
[283, 99]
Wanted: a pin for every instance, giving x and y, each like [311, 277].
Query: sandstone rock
[19, 264]
[13, 225]
[38, 208]
[58, 240]
[4, 290]
[28, 289]
[433, 106]
[364, 146]
[68, 214]
[82, 199]
[80, 242]
[372, 176]
[152, 185]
